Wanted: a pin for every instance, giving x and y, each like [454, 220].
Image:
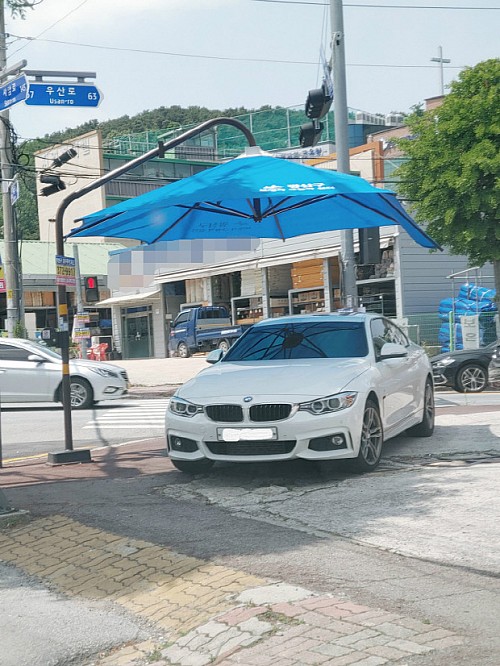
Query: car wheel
[193, 466]
[224, 345]
[82, 396]
[426, 427]
[471, 378]
[183, 350]
[372, 439]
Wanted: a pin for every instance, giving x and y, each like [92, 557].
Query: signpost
[63, 94]
[13, 91]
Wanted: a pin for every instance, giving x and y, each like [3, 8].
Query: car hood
[462, 354]
[81, 363]
[300, 380]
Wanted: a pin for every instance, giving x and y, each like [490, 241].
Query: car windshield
[300, 340]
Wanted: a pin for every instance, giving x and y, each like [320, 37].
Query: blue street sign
[13, 92]
[63, 94]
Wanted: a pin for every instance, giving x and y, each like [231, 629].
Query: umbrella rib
[300, 204]
[170, 227]
[84, 226]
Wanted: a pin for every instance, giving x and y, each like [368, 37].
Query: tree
[452, 175]
[19, 7]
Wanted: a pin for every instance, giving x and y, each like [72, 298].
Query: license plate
[246, 434]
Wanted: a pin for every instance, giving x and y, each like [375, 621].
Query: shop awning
[151, 295]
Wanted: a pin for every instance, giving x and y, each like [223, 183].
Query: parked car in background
[494, 367]
[465, 370]
[317, 387]
[30, 372]
[200, 329]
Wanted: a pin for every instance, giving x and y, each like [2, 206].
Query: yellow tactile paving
[175, 591]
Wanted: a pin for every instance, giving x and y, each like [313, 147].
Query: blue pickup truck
[201, 329]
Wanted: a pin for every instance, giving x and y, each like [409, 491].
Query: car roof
[319, 317]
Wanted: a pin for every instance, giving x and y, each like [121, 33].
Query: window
[182, 318]
[383, 331]
[11, 353]
[301, 340]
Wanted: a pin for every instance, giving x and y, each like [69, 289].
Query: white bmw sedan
[30, 372]
[318, 387]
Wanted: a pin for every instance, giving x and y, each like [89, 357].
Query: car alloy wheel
[426, 427]
[183, 350]
[471, 378]
[81, 394]
[372, 438]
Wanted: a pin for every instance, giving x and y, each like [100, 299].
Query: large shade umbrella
[254, 196]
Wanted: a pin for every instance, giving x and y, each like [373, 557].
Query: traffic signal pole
[83, 455]
[13, 278]
[349, 291]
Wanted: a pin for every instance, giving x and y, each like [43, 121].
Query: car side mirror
[392, 350]
[215, 356]
[36, 359]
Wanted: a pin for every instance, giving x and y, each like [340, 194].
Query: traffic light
[318, 102]
[55, 184]
[91, 289]
[64, 157]
[310, 133]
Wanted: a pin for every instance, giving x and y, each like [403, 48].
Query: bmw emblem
[247, 398]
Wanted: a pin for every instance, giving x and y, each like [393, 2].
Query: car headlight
[331, 403]
[442, 363]
[181, 407]
[104, 372]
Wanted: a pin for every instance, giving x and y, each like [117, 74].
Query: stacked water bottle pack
[471, 300]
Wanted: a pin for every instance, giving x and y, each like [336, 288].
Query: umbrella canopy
[253, 197]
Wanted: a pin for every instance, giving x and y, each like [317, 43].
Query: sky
[230, 53]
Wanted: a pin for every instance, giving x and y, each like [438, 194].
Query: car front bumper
[302, 435]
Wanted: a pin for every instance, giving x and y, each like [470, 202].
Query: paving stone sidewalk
[212, 614]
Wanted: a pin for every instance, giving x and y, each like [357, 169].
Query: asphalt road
[29, 430]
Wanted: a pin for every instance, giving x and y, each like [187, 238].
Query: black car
[466, 370]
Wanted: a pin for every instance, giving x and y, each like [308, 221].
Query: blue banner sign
[63, 94]
[13, 92]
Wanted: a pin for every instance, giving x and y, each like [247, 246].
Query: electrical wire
[222, 58]
[366, 6]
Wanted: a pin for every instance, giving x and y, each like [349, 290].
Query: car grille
[251, 448]
[269, 412]
[256, 413]
[224, 413]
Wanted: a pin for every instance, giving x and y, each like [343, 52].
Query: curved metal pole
[62, 295]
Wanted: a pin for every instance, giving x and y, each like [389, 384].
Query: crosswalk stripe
[146, 414]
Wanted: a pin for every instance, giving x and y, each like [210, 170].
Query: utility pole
[342, 145]
[13, 277]
[441, 62]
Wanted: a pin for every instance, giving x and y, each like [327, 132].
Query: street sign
[63, 94]
[13, 92]
[14, 191]
[65, 271]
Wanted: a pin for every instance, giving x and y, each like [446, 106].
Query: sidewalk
[199, 612]
[108, 535]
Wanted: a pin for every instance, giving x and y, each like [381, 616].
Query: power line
[227, 58]
[365, 6]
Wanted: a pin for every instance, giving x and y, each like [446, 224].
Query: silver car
[30, 372]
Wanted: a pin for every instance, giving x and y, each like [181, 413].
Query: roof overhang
[130, 299]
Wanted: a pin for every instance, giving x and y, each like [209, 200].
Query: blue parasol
[253, 197]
